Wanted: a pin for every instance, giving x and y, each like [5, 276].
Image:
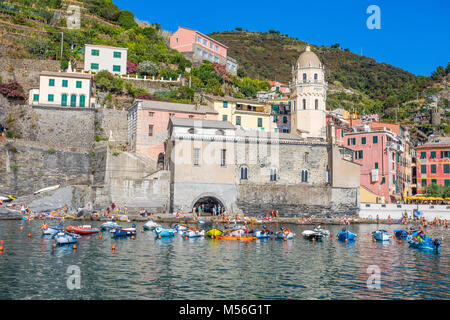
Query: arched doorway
[208, 203]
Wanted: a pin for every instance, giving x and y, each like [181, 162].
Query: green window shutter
[361, 154]
[376, 165]
[238, 120]
[259, 122]
[224, 117]
[433, 155]
[348, 141]
[342, 133]
[423, 169]
[64, 100]
[354, 141]
[95, 52]
[35, 97]
[225, 104]
[50, 98]
[78, 84]
[447, 183]
[446, 168]
[375, 139]
[51, 82]
[94, 66]
[65, 83]
[383, 180]
[82, 100]
[424, 182]
[116, 68]
[433, 181]
[433, 168]
[423, 155]
[117, 54]
[275, 119]
[442, 154]
[73, 100]
[363, 140]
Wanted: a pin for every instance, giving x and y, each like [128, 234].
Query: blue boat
[381, 235]
[401, 234]
[285, 234]
[65, 238]
[124, 232]
[160, 232]
[346, 235]
[50, 230]
[424, 242]
[263, 233]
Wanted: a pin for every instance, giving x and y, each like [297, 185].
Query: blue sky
[414, 35]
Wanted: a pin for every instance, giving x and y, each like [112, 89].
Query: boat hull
[124, 232]
[346, 235]
[193, 233]
[164, 232]
[81, 230]
[214, 232]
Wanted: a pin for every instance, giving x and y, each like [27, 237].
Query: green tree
[147, 68]
[126, 19]
[106, 81]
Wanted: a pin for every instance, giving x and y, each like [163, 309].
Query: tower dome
[308, 59]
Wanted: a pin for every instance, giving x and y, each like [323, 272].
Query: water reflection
[201, 268]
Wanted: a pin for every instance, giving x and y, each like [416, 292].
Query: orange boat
[236, 238]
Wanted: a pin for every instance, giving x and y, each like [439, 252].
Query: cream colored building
[247, 114]
[100, 57]
[63, 89]
[309, 96]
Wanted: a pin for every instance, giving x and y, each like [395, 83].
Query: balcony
[395, 146]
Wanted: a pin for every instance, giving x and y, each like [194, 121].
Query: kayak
[244, 238]
[81, 230]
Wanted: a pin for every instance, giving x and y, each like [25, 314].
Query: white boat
[151, 225]
[110, 225]
[47, 189]
[285, 233]
[181, 227]
[193, 233]
[66, 238]
[381, 235]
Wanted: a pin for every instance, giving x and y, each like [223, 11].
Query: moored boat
[151, 225]
[317, 234]
[263, 233]
[109, 225]
[124, 232]
[66, 238]
[160, 232]
[229, 237]
[214, 232]
[83, 230]
[381, 235]
[193, 233]
[401, 234]
[285, 234]
[180, 227]
[49, 230]
[422, 241]
[346, 235]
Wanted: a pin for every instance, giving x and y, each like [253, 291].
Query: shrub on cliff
[12, 90]
[147, 68]
[126, 19]
[106, 81]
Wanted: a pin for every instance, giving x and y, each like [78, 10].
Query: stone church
[214, 163]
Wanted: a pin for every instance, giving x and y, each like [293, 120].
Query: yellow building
[248, 114]
[367, 196]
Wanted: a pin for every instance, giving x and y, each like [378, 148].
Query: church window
[273, 174]
[304, 77]
[244, 173]
[317, 104]
[304, 104]
[304, 175]
[315, 77]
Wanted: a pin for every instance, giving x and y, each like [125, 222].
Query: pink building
[148, 121]
[381, 153]
[197, 47]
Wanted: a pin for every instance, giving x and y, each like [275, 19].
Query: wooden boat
[124, 232]
[214, 232]
[82, 230]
